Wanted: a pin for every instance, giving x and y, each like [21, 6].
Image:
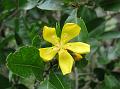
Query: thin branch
[76, 78]
[84, 74]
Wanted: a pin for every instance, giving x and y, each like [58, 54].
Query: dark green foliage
[21, 29]
[4, 83]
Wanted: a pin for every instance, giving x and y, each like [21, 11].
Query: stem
[76, 78]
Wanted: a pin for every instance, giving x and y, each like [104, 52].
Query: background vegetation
[21, 23]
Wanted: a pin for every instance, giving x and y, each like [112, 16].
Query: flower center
[60, 46]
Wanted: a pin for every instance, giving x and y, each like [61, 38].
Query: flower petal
[69, 31]
[49, 34]
[48, 53]
[65, 61]
[78, 47]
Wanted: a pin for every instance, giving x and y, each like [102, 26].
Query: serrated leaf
[26, 62]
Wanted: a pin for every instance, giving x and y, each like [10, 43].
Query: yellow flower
[61, 46]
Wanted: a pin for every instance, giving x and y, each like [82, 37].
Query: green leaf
[58, 30]
[36, 41]
[72, 18]
[94, 45]
[56, 81]
[8, 4]
[97, 31]
[103, 58]
[113, 5]
[5, 41]
[87, 14]
[59, 81]
[83, 36]
[26, 62]
[46, 85]
[21, 31]
[3, 44]
[11, 4]
[30, 4]
[93, 24]
[50, 5]
[111, 82]
[21, 3]
[110, 35]
[28, 82]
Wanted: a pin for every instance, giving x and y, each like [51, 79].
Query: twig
[84, 74]
[76, 78]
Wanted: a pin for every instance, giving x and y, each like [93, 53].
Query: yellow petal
[78, 47]
[69, 31]
[49, 34]
[65, 61]
[48, 53]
